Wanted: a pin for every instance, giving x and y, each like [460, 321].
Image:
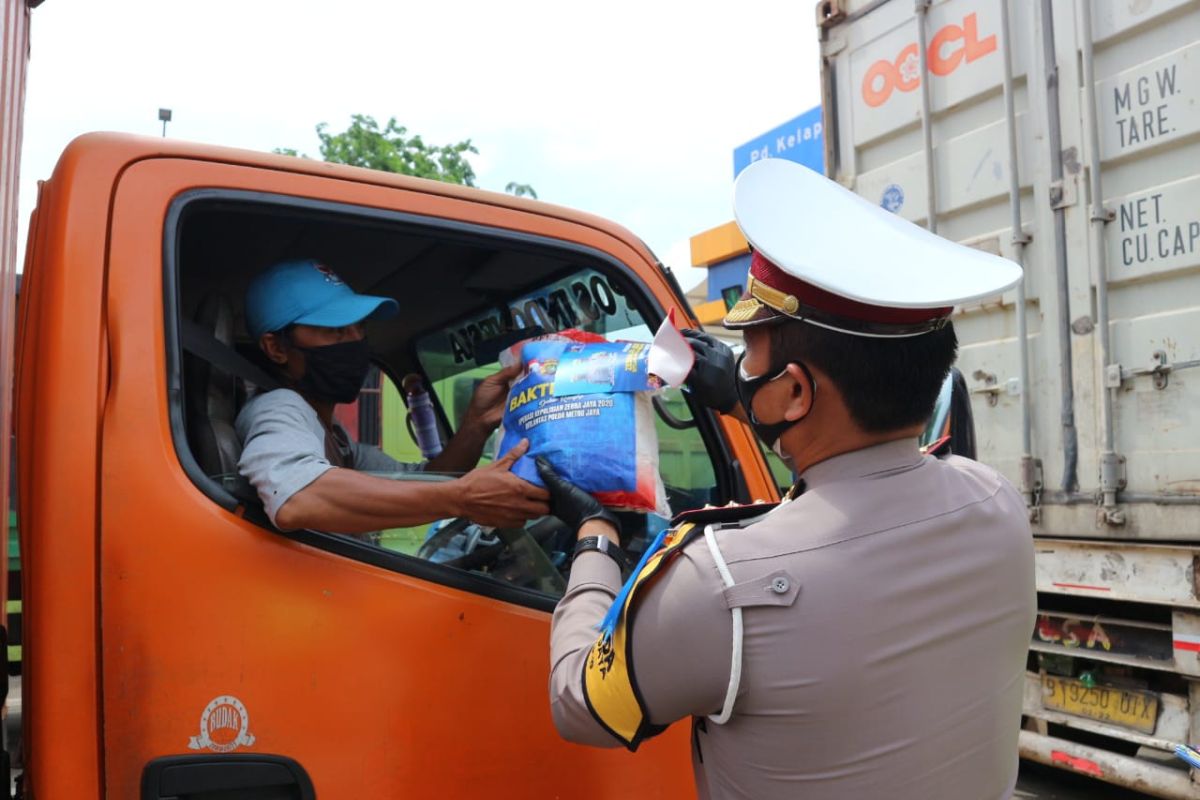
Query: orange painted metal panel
[380, 684]
[60, 395]
[146, 600]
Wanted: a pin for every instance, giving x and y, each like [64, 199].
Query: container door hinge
[1031, 486]
[1112, 480]
[1112, 472]
[830, 12]
[1064, 193]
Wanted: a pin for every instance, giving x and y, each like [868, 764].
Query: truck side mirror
[951, 428]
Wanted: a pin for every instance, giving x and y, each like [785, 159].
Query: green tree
[392, 149]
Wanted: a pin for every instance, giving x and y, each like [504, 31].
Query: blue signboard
[801, 140]
[727, 275]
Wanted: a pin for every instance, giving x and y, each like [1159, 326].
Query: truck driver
[306, 470]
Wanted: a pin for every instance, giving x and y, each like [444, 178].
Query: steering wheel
[668, 418]
[442, 537]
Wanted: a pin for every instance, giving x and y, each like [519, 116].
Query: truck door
[362, 666]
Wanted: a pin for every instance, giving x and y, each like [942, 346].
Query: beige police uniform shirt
[891, 664]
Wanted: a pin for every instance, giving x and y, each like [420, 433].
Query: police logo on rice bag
[583, 402]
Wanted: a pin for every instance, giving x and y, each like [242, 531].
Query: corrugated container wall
[1121, 426]
[14, 55]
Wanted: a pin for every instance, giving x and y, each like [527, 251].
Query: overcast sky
[630, 110]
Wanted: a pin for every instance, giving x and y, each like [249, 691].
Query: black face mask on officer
[769, 433]
[335, 373]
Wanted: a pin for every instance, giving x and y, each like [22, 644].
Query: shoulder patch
[609, 682]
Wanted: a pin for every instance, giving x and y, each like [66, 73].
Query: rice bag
[583, 403]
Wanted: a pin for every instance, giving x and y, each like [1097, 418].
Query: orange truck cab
[178, 646]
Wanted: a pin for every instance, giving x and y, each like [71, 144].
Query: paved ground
[1036, 783]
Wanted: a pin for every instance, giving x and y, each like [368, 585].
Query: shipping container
[14, 56]
[1064, 135]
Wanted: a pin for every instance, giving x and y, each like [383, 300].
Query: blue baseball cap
[308, 293]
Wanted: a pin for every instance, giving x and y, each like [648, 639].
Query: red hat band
[793, 297]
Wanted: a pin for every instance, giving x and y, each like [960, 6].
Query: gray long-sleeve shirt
[892, 666]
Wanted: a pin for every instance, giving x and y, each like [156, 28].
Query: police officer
[867, 637]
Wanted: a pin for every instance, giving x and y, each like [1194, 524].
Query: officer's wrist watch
[604, 545]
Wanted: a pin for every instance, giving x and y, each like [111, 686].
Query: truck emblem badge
[224, 726]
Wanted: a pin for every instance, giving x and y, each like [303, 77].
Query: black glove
[712, 379]
[571, 504]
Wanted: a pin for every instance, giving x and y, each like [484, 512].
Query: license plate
[1136, 710]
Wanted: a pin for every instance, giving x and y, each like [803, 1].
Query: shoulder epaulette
[727, 514]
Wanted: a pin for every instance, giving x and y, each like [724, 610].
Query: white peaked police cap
[826, 256]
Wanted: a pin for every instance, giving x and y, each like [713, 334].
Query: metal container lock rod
[1111, 463]
[1031, 480]
[922, 9]
[1070, 436]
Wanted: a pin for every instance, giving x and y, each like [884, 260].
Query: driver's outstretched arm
[345, 501]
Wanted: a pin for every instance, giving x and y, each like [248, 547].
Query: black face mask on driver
[335, 373]
[747, 388]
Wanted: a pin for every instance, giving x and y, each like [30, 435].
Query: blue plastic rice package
[583, 403]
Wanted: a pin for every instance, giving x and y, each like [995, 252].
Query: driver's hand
[712, 379]
[486, 408]
[571, 504]
[493, 496]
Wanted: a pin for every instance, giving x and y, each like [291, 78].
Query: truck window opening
[464, 294]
